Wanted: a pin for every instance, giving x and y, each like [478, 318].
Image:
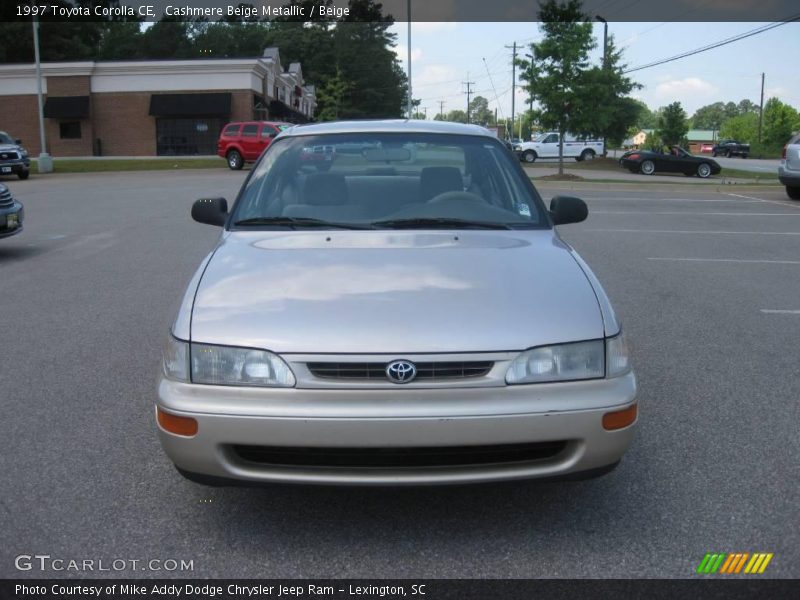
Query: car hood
[9, 148]
[394, 291]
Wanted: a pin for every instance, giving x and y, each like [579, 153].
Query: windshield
[386, 180]
[5, 138]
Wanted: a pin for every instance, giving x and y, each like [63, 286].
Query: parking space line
[789, 204]
[702, 232]
[675, 212]
[777, 311]
[728, 260]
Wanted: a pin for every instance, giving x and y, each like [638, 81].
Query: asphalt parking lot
[706, 282]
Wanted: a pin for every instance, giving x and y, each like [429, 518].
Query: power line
[724, 42]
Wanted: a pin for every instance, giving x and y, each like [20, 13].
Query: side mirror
[211, 211]
[567, 209]
[273, 135]
[18, 142]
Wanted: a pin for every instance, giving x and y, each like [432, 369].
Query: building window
[70, 130]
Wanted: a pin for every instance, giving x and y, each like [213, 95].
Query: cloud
[775, 92]
[402, 53]
[430, 75]
[684, 89]
[427, 28]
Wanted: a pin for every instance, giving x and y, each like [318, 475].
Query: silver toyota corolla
[397, 309]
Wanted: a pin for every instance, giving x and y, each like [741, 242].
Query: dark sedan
[674, 160]
[11, 213]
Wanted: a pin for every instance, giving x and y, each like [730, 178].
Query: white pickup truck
[545, 145]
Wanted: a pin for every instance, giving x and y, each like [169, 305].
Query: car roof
[387, 126]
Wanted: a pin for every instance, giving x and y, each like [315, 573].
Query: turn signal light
[175, 424]
[620, 418]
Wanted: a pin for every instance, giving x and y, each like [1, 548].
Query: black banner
[333, 10]
[383, 589]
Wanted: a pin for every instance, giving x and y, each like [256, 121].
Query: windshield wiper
[438, 223]
[297, 222]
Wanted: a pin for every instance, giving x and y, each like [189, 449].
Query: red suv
[245, 141]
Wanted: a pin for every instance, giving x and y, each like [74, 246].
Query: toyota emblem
[401, 371]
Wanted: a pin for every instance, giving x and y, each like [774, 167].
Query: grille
[9, 155]
[447, 456]
[376, 371]
[5, 198]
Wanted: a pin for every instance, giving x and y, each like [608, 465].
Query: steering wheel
[456, 196]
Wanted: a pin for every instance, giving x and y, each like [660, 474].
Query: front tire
[586, 155]
[24, 174]
[648, 167]
[235, 161]
[793, 192]
[704, 171]
[529, 156]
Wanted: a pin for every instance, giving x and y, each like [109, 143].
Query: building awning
[279, 110]
[66, 107]
[190, 105]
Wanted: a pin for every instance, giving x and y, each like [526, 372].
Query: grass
[131, 164]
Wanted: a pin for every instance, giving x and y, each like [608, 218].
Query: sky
[445, 54]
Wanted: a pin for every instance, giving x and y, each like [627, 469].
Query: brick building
[149, 108]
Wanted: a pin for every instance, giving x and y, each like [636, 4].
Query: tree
[456, 116]
[746, 106]
[711, 116]
[646, 118]
[332, 98]
[560, 60]
[672, 125]
[743, 128]
[780, 121]
[479, 111]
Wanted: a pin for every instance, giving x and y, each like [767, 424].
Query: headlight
[564, 362]
[617, 360]
[223, 365]
[176, 359]
[23, 153]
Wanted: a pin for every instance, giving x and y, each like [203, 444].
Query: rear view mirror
[567, 209]
[211, 211]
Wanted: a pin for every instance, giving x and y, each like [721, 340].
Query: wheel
[793, 192]
[728, 154]
[744, 155]
[587, 155]
[529, 156]
[24, 174]
[234, 159]
[648, 167]
[703, 170]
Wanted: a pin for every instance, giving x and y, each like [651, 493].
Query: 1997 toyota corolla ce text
[401, 313]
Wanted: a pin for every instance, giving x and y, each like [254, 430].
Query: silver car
[403, 314]
[789, 169]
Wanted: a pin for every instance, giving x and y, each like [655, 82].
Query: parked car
[12, 213]
[243, 142]
[546, 145]
[789, 169]
[13, 157]
[672, 160]
[410, 316]
[731, 148]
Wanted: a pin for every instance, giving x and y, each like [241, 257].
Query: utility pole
[45, 163]
[761, 109]
[468, 83]
[425, 112]
[605, 40]
[513, 82]
[441, 108]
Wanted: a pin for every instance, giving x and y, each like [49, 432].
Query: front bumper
[15, 167]
[381, 420]
[11, 218]
[787, 177]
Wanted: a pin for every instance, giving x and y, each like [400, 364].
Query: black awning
[66, 107]
[279, 110]
[190, 105]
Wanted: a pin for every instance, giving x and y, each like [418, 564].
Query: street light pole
[45, 163]
[409, 59]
